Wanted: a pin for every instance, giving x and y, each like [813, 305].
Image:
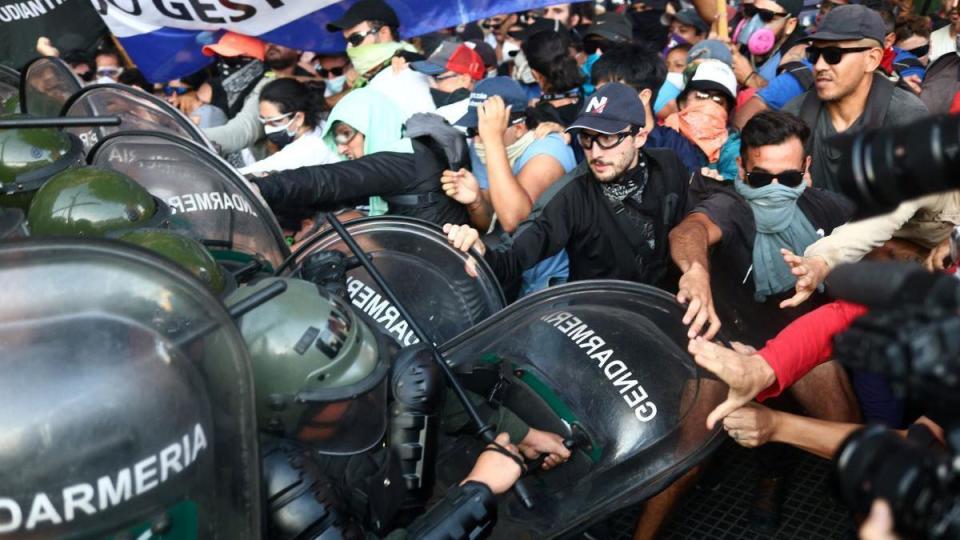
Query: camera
[896, 164]
[912, 336]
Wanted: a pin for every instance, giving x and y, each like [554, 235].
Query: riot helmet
[28, 157]
[93, 202]
[13, 224]
[114, 422]
[319, 371]
[47, 83]
[187, 253]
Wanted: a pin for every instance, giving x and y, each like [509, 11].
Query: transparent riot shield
[201, 190]
[138, 111]
[126, 401]
[426, 274]
[13, 223]
[47, 84]
[604, 363]
[9, 89]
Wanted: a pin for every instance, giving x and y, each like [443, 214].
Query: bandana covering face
[514, 151]
[704, 123]
[370, 57]
[780, 224]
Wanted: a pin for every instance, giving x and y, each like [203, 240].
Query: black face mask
[280, 138]
[280, 63]
[441, 98]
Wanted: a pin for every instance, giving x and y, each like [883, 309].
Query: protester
[766, 35]
[943, 41]
[899, 66]
[185, 95]
[454, 69]
[846, 50]
[677, 58]
[556, 71]
[913, 36]
[333, 70]
[290, 112]
[644, 71]
[367, 129]
[686, 26]
[371, 30]
[613, 220]
[109, 65]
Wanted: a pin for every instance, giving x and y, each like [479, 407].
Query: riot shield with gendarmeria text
[603, 363]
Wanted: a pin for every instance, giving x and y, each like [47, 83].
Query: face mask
[755, 35]
[104, 80]
[372, 55]
[521, 69]
[335, 85]
[676, 79]
[280, 135]
[510, 49]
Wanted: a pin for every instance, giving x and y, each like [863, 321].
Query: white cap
[713, 75]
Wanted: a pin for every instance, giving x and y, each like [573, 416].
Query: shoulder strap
[809, 113]
[800, 71]
[878, 101]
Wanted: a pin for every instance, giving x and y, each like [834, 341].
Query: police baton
[485, 429]
[60, 122]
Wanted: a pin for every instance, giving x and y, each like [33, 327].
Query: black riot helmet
[126, 407]
[319, 370]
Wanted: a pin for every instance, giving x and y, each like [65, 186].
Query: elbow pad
[467, 512]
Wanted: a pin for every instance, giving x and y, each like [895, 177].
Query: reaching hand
[752, 425]
[543, 442]
[45, 47]
[939, 256]
[493, 119]
[695, 291]
[810, 272]
[913, 82]
[496, 470]
[461, 186]
[745, 372]
[463, 237]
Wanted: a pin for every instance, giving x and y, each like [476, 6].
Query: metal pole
[59, 122]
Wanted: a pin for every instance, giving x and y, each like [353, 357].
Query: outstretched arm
[689, 247]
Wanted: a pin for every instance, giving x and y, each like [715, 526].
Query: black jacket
[579, 218]
[410, 183]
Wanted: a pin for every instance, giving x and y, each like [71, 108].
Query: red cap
[232, 44]
[467, 61]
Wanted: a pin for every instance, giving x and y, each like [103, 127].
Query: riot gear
[126, 395]
[13, 224]
[187, 253]
[91, 201]
[29, 157]
[320, 371]
[47, 83]
[9, 89]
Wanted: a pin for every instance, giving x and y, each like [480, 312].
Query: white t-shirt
[308, 150]
[941, 43]
[409, 90]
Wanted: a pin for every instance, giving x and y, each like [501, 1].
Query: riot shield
[47, 84]
[13, 223]
[9, 89]
[202, 190]
[126, 402]
[138, 111]
[425, 272]
[602, 362]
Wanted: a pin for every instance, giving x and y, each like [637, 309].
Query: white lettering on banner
[251, 17]
[380, 310]
[79, 500]
[199, 202]
[31, 9]
[615, 371]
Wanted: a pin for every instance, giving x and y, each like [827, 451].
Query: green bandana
[370, 57]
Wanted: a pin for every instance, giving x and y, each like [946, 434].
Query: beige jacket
[925, 221]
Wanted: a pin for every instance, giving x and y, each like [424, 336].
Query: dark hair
[291, 95]
[913, 26]
[133, 77]
[394, 35]
[769, 128]
[632, 64]
[585, 10]
[549, 54]
[108, 51]
[889, 19]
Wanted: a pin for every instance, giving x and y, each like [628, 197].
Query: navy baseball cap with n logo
[612, 109]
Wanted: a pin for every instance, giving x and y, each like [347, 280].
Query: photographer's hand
[879, 524]
[810, 272]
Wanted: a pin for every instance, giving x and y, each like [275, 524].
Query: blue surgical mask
[588, 86]
[335, 85]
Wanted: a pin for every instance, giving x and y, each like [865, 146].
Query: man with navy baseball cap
[613, 219]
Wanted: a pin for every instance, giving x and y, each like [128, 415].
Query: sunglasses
[787, 178]
[766, 15]
[356, 38]
[178, 90]
[438, 78]
[603, 140]
[920, 51]
[326, 73]
[832, 55]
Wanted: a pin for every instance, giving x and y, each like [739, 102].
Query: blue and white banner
[164, 37]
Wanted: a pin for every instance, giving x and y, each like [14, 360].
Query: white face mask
[335, 85]
[510, 50]
[675, 78]
[521, 69]
[104, 80]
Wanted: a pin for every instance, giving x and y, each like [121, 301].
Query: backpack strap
[800, 71]
[809, 113]
[878, 101]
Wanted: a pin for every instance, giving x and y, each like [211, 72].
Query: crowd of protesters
[630, 140]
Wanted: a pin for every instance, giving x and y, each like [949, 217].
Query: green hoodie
[381, 122]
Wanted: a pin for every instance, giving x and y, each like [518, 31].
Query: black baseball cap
[611, 26]
[508, 89]
[612, 109]
[849, 23]
[540, 24]
[689, 17]
[365, 10]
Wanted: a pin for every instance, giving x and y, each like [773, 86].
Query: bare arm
[749, 109]
[689, 245]
[535, 177]
[818, 437]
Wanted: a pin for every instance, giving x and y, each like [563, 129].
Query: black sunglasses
[356, 38]
[787, 178]
[832, 55]
[326, 73]
[920, 51]
[604, 140]
[766, 15]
